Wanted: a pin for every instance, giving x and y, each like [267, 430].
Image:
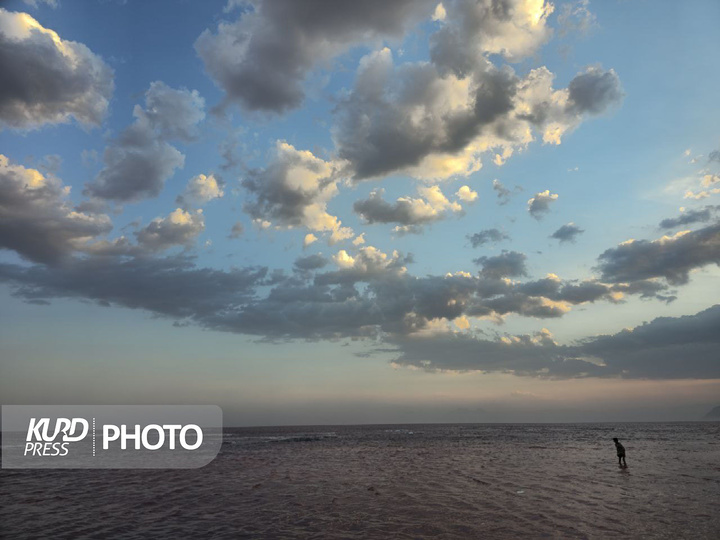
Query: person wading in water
[620, 452]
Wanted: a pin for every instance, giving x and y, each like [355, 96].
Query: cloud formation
[507, 264]
[36, 218]
[179, 228]
[201, 189]
[262, 59]
[670, 257]
[688, 217]
[665, 348]
[487, 235]
[430, 123]
[46, 79]
[293, 191]
[410, 213]
[567, 233]
[140, 159]
[539, 205]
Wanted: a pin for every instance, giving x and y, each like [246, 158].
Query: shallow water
[415, 481]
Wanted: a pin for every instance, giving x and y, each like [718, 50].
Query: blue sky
[386, 133]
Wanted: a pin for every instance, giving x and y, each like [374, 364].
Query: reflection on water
[418, 481]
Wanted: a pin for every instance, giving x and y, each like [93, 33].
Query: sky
[362, 212]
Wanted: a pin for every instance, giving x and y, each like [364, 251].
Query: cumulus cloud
[179, 228]
[472, 30]
[293, 191]
[48, 80]
[688, 217]
[507, 264]
[466, 194]
[594, 91]
[666, 348]
[670, 257]
[36, 218]
[539, 205]
[487, 235]
[262, 59]
[567, 233]
[311, 262]
[420, 120]
[201, 189]
[140, 160]
[410, 213]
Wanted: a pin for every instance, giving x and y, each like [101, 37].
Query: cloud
[48, 80]
[237, 230]
[539, 205]
[669, 257]
[594, 91]
[420, 120]
[34, 3]
[171, 287]
[503, 193]
[311, 262]
[466, 194]
[36, 218]
[472, 30]
[310, 238]
[666, 348]
[689, 217]
[576, 17]
[507, 264]
[262, 59]
[293, 191]
[201, 189]
[410, 213]
[487, 235]
[567, 233]
[140, 160]
[179, 228]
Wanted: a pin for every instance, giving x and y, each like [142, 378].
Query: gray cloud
[293, 190]
[539, 205]
[370, 293]
[179, 228]
[487, 235]
[670, 257]
[36, 218]
[594, 91]
[507, 264]
[410, 213]
[378, 130]
[690, 216]
[311, 262]
[140, 160]
[567, 233]
[665, 348]
[503, 193]
[262, 59]
[237, 230]
[48, 80]
[172, 287]
[471, 30]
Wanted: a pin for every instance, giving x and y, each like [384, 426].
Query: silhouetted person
[620, 452]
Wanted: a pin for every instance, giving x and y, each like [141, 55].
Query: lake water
[395, 481]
